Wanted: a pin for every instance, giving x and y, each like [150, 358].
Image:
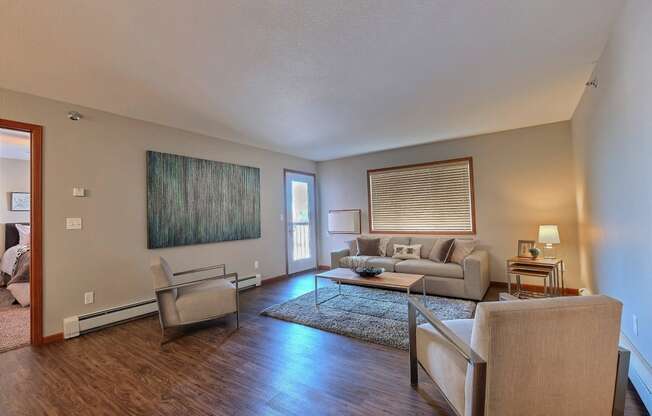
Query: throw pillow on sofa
[353, 247]
[382, 247]
[442, 249]
[404, 252]
[461, 249]
[393, 241]
[368, 246]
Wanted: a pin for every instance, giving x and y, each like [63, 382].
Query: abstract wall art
[196, 201]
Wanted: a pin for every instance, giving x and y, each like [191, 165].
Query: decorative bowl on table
[369, 271]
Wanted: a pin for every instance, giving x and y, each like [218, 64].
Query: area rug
[6, 298]
[373, 315]
[14, 327]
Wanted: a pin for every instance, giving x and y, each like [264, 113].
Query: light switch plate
[73, 223]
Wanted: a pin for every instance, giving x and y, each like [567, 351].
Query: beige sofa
[470, 280]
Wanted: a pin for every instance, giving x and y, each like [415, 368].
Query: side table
[550, 270]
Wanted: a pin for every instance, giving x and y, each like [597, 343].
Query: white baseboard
[640, 372]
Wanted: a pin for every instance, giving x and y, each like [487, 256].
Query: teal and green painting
[196, 201]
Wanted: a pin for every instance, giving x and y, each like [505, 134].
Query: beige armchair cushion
[206, 300]
[162, 276]
[555, 356]
[549, 356]
[189, 304]
[442, 361]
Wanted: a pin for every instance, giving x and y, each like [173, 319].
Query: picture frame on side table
[524, 247]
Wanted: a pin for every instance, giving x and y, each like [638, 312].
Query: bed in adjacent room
[15, 261]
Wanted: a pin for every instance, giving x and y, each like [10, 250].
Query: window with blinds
[432, 198]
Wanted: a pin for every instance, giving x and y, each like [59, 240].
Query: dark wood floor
[268, 367]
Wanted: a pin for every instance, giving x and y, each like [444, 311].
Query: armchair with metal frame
[195, 301]
[547, 356]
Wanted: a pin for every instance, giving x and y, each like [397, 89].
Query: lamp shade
[548, 234]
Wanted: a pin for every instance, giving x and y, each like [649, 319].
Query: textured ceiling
[318, 79]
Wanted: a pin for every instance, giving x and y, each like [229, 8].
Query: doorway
[300, 221]
[21, 231]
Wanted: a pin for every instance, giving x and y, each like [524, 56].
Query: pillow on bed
[23, 234]
[8, 260]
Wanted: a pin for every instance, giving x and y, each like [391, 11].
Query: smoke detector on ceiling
[593, 83]
[74, 116]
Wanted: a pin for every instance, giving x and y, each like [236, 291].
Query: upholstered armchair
[193, 301]
[556, 356]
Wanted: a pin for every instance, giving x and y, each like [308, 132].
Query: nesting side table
[550, 270]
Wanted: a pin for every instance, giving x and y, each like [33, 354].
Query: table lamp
[548, 235]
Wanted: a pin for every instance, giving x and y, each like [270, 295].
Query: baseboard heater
[78, 325]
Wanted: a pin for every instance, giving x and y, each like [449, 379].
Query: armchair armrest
[477, 363]
[336, 256]
[198, 281]
[202, 269]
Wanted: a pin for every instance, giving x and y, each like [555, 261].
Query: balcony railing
[301, 240]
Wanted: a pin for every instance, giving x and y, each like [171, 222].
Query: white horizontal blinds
[429, 198]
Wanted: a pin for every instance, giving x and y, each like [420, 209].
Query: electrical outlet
[256, 264]
[89, 297]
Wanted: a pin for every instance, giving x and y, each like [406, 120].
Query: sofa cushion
[442, 250]
[430, 268]
[349, 261]
[386, 263]
[396, 240]
[426, 244]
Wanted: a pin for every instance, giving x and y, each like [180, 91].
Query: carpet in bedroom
[14, 323]
[372, 315]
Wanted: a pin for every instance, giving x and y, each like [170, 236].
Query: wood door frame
[36, 225]
[285, 217]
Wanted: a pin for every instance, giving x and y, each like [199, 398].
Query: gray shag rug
[373, 315]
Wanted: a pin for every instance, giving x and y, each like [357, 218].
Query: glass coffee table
[386, 280]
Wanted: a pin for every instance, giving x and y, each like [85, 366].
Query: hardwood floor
[268, 367]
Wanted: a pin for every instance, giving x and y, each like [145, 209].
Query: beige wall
[14, 177]
[523, 178]
[105, 153]
[612, 135]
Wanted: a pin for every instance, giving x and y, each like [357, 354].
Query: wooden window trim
[417, 165]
